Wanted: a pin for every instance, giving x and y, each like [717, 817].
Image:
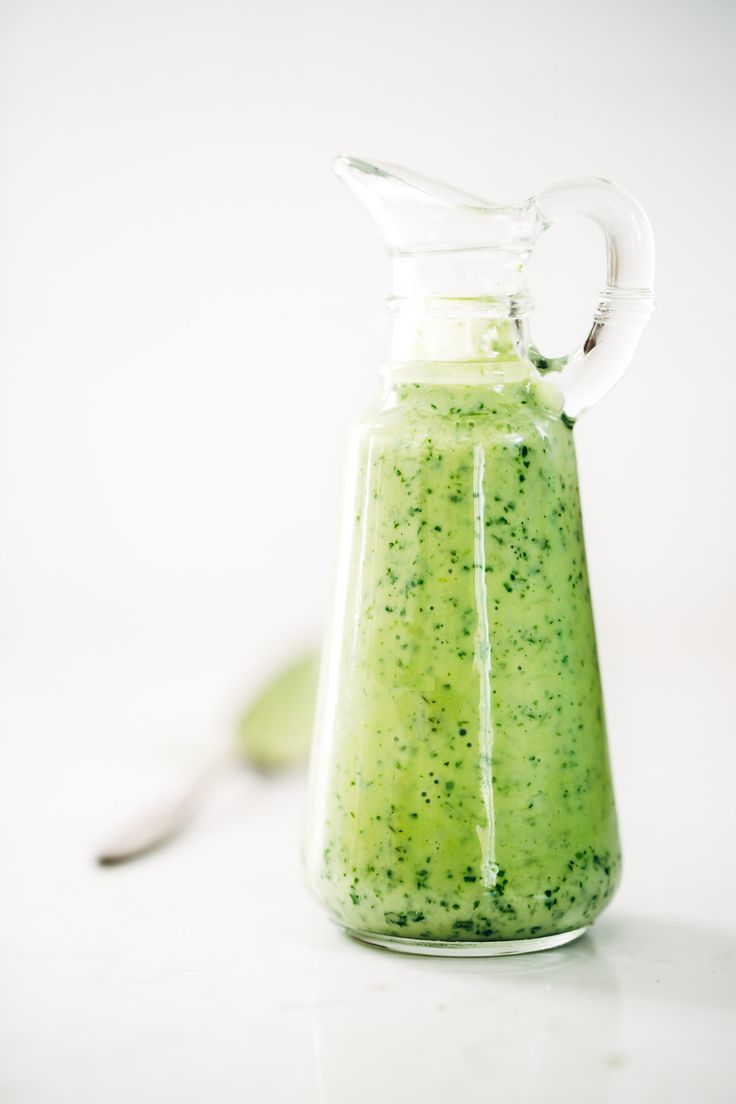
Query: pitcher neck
[490, 330]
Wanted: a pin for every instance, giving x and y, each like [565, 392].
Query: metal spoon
[272, 734]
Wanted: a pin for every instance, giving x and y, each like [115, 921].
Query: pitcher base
[484, 949]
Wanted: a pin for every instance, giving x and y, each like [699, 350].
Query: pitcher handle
[626, 303]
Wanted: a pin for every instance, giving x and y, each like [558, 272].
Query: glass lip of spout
[444, 242]
[419, 215]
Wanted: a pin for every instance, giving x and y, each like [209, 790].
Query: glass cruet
[460, 788]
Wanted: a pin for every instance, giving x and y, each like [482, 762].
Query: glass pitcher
[460, 789]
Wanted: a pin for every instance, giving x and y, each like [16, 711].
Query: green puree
[468, 785]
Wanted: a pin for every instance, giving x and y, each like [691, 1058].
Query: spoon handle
[160, 825]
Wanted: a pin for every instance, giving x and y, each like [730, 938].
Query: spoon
[271, 735]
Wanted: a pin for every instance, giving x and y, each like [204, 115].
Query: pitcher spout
[443, 242]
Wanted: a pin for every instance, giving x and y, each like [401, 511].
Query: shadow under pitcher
[460, 788]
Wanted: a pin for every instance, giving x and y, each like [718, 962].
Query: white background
[190, 314]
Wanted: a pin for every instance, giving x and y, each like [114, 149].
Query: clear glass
[460, 794]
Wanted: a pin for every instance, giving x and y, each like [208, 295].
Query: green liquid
[466, 783]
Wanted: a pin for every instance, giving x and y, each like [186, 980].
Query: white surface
[190, 311]
[206, 973]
